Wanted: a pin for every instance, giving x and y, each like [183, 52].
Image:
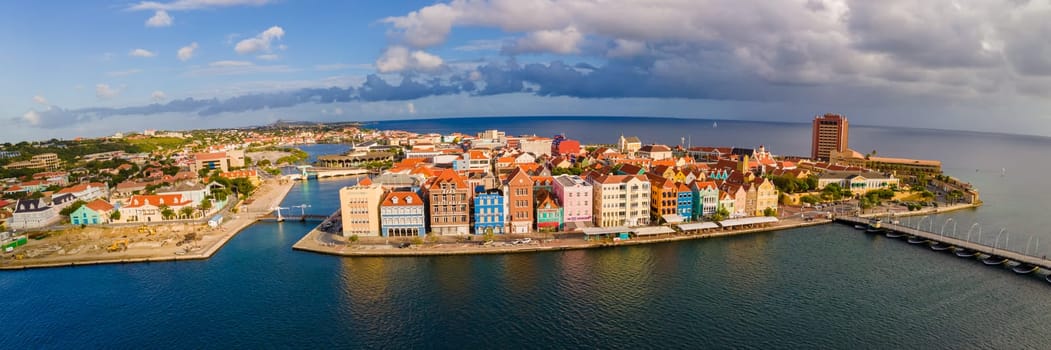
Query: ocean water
[819, 287]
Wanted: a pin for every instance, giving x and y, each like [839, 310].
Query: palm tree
[186, 212]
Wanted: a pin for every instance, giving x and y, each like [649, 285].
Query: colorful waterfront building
[548, 213]
[575, 196]
[684, 203]
[489, 209]
[402, 214]
[620, 200]
[91, 213]
[360, 208]
[447, 203]
[519, 191]
[766, 196]
[705, 198]
[663, 197]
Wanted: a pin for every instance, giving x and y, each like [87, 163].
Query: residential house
[148, 208]
[566, 147]
[519, 191]
[489, 211]
[766, 196]
[548, 213]
[32, 213]
[360, 208]
[663, 198]
[402, 214]
[575, 196]
[87, 191]
[92, 213]
[684, 205]
[655, 152]
[705, 198]
[447, 198]
[620, 200]
[738, 194]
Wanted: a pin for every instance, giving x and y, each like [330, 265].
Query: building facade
[402, 214]
[359, 207]
[519, 191]
[830, 133]
[621, 200]
[447, 203]
[548, 213]
[575, 196]
[489, 212]
[684, 203]
[705, 198]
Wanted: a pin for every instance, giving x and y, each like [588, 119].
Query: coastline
[269, 195]
[310, 241]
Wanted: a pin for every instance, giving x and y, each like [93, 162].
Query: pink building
[575, 195]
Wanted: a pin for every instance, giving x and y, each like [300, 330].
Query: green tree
[71, 208]
[769, 212]
[166, 212]
[115, 215]
[186, 212]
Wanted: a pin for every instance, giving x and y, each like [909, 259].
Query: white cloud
[105, 92]
[158, 96]
[400, 58]
[186, 52]
[268, 57]
[343, 66]
[40, 100]
[184, 5]
[159, 19]
[260, 42]
[31, 117]
[142, 53]
[626, 48]
[564, 41]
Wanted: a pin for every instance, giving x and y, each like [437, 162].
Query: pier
[956, 243]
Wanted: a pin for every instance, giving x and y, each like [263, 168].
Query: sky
[91, 68]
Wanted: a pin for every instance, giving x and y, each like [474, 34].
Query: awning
[653, 230]
[672, 218]
[749, 221]
[697, 226]
[595, 231]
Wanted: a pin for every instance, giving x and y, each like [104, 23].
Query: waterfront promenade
[269, 195]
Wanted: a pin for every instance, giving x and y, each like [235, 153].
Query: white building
[621, 200]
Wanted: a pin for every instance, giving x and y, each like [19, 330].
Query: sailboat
[1003, 171]
[715, 125]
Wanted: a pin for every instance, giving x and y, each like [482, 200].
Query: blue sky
[91, 68]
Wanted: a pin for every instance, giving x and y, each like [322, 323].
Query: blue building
[489, 209]
[402, 215]
[684, 202]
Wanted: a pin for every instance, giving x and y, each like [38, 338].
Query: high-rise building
[830, 134]
[360, 208]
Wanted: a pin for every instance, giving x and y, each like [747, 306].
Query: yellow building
[360, 208]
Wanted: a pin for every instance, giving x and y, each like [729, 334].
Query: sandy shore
[76, 247]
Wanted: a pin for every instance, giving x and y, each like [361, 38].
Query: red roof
[405, 198]
[99, 205]
[210, 156]
[238, 174]
[448, 176]
[81, 187]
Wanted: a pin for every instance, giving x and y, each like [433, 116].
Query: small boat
[917, 240]
[860, 227]
[1024, 269]
[939, 246]
[874, 230]
[965, 253]
[715, 125]
[1048, 278]
[895, 234]
[994, 260]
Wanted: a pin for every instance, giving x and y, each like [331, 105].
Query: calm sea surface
[822, 287]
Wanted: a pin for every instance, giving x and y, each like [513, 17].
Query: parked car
[404, 245]
[527, 240]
